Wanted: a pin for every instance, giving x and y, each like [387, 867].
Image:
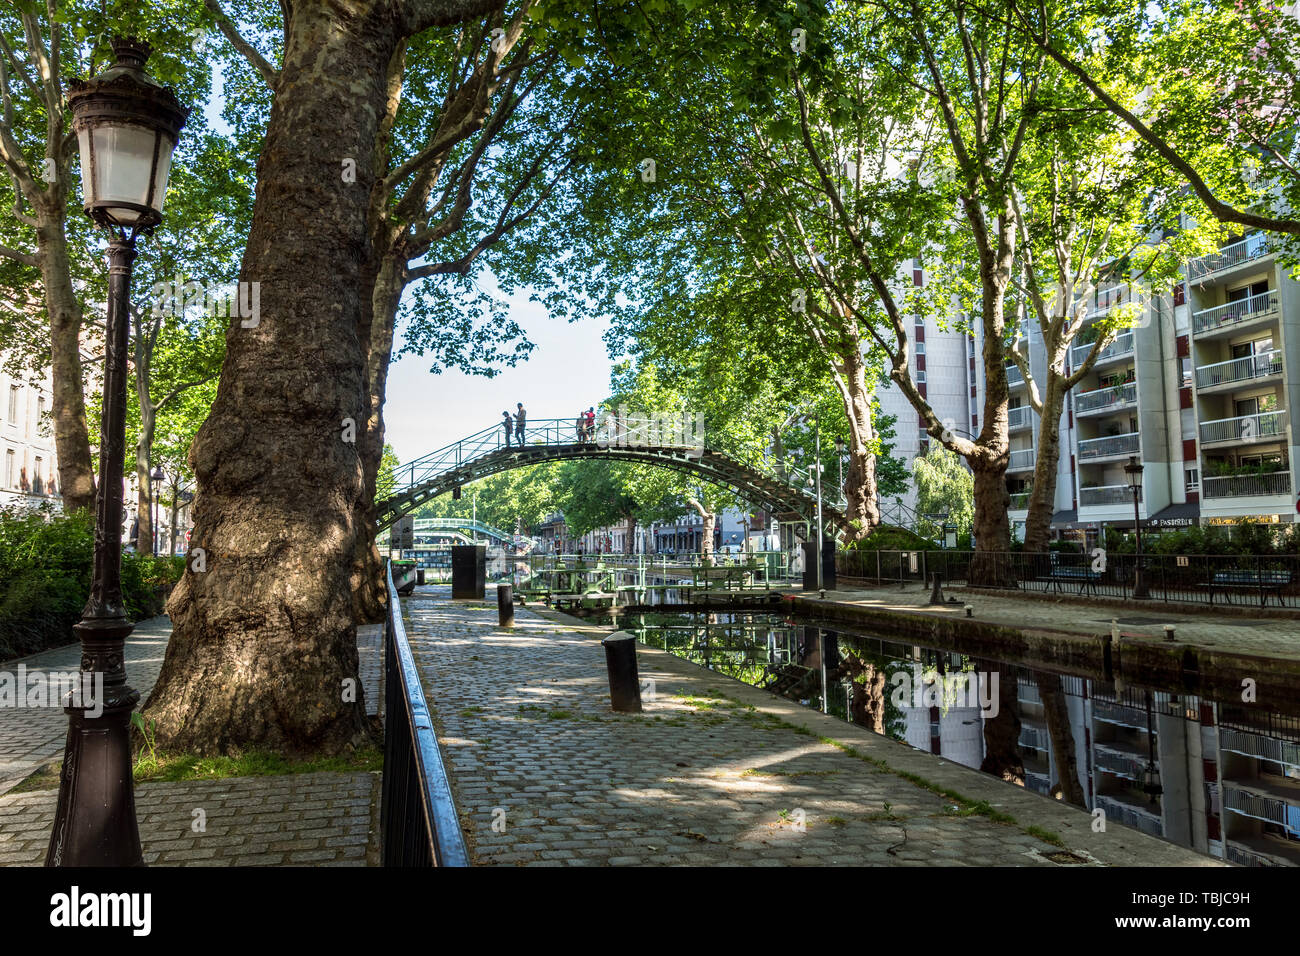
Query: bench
[1086, 577]
[1264, 581]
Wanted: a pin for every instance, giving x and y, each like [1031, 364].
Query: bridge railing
[418, 824]
[612, 432]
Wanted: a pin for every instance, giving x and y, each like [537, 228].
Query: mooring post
[936, 588]
[624, 684]
[505, 605]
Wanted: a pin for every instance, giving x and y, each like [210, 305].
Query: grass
[252, 764]
[151, 766]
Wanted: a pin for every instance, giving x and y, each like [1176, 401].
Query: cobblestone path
[713, 772]
[316, 819]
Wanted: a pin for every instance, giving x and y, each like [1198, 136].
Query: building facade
[28, 466]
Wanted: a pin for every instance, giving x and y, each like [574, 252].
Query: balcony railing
[1246, 486]
[1252, 247]
[1243, 310]
[1244, 428]
[1014, 377]
[1123, 345]
[1109, 446]
[1022, 459]
[1100, 399]
[1240, 369]
[1019, 500]
[1020, 416]
[1256, 805]
[1120, 764]
[1265, 748]
[1148, 821]
[1107, 495]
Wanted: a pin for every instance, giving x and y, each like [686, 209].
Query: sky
[566, 373]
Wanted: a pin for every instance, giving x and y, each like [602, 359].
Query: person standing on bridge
[521, 418]
[508, 424]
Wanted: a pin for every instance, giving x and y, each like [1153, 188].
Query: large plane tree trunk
[68, 407]
[860, 494]
[1042, 498]
[1057, 717]
[263, 652]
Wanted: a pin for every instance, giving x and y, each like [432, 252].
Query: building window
[13, 403]
[1193, 479]
[1186, 362]
[38, 477]
[1180, 294]
[920, 378]
[10, 459]
[920, 348]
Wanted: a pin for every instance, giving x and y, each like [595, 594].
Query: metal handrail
[1244, 369]
[631, 431]
[1245, 427]
[418, 823]
[1242, 310]
[1108, 445]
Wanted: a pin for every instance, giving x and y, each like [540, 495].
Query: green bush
[893, 538]
[46, 563]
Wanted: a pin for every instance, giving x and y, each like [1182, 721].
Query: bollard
[505, 605]
[624, 684]
[969, 610]
[419, 576]
[936, 588]
[1169, 633]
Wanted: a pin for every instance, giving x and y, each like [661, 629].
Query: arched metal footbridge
[764, 482]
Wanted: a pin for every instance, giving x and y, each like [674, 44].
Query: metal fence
[1222, 579]
[418, 824]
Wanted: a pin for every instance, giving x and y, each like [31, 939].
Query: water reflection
[1216, 776]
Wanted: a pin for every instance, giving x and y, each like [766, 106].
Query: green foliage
[943, 484]
[46, 563]
[892, 538]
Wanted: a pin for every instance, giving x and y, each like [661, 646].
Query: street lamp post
[127, 126]
[1134, 471]
[155, 477]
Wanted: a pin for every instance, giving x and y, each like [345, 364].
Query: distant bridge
[462, 525]
[763, 482]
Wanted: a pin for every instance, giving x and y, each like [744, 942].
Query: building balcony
[1230, 315]
[1244, 429]
[1247, 486]
[1019, 501]
[1264, 850]
[1014, 376]
[1102, 495]
[1121, 714]
[1122, 347]
[1022, 459]
[1111, 398]
[1034, 737]
[1262, 799]
[1249, 368]
[1131, 813]
[1019, 417]
[1248, 249]
[1262, 748]
[1111, 446]
[1119, 763]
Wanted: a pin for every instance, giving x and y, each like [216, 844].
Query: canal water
[1216, 776]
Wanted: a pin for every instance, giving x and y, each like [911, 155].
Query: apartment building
[1198, 390]
[28, 472]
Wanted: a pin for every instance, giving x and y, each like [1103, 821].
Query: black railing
[1213, 579]
[418, 824]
